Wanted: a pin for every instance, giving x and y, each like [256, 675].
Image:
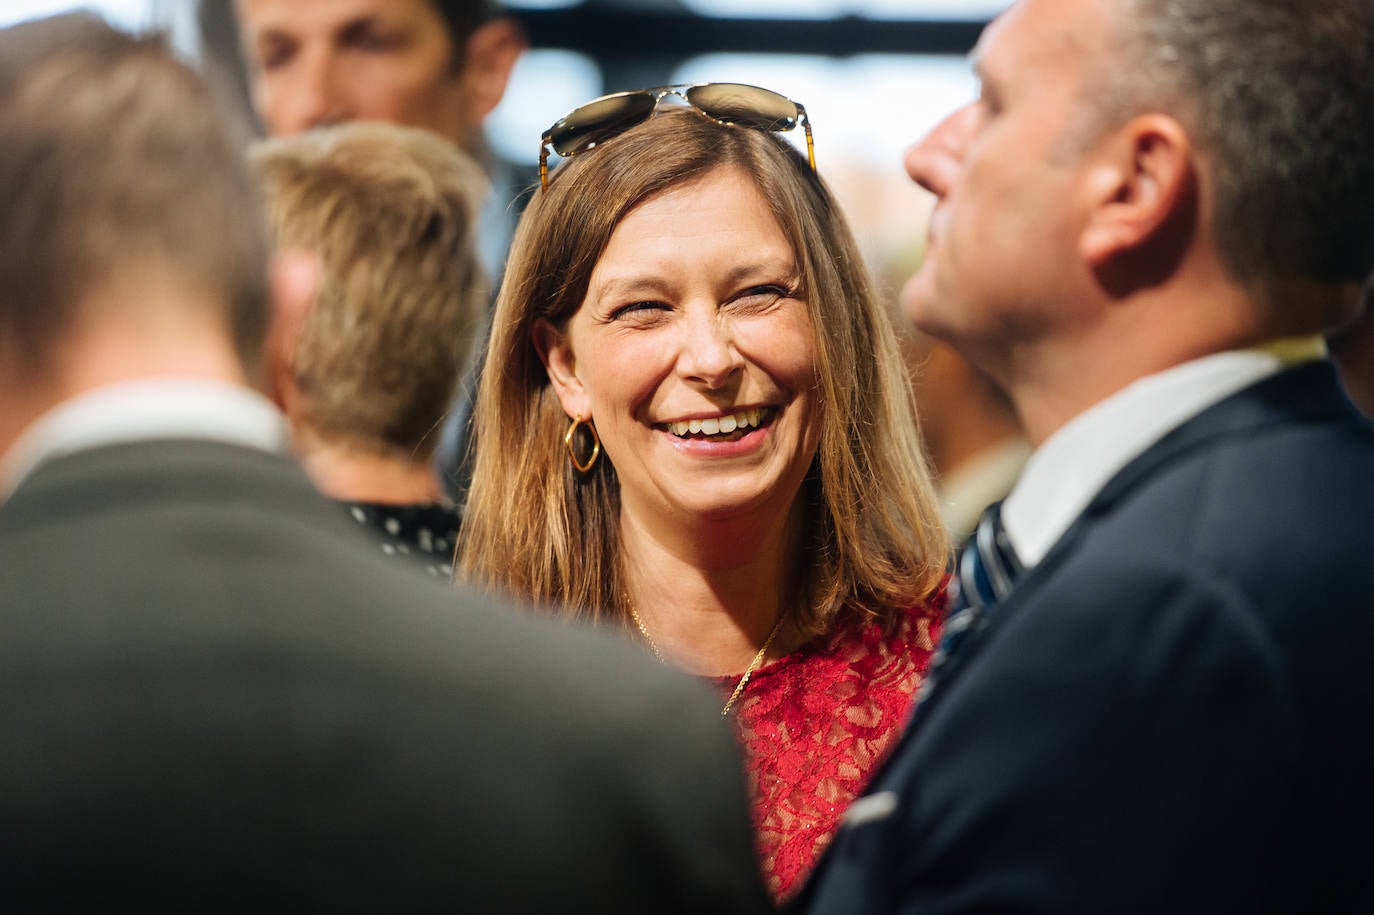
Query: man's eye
[988, 102]
[275, 55]
[374, 40]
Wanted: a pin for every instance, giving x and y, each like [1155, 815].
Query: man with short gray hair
[1153, 690]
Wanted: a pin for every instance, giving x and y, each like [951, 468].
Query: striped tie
[987, 570]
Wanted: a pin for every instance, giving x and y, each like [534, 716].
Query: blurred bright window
[864, 109]
[833, 9]
[128, 14]
[546, 85]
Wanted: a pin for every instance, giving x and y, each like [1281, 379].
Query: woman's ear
[556, 352]
[1142, 178]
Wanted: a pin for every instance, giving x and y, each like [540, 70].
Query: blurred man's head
[390, 213]
[438, 64]
[124, 199]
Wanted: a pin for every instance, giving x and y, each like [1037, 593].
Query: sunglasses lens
[750, 106]
[598, 120]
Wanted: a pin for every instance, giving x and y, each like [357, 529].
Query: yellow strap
[1293, 350]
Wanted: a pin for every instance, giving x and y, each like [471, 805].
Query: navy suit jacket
[1173, 711]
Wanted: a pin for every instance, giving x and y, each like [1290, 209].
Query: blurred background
[874, 75]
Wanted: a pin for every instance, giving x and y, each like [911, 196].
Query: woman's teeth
[723, 425]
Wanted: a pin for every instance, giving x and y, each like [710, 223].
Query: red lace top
[815, 725]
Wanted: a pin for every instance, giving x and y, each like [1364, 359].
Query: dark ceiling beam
[605, 33]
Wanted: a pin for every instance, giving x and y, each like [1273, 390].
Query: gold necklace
[748, 671]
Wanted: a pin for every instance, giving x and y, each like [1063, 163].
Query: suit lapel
[1309, 392]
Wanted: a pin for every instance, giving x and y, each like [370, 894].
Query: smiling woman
[692, 318]
[694, 424]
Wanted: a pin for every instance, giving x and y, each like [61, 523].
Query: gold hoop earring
[572, 452]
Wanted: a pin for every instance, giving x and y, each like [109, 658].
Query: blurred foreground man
[1154, 695]
[215, 693]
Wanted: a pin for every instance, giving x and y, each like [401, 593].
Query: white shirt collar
[156, 408]
[1072, 466]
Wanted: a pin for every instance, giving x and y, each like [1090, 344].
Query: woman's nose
[708, 355]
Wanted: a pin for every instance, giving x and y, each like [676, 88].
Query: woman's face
[693, 358]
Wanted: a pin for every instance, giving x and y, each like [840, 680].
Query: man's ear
[561, 363]
[1141, 175]
[488, 59]
[294, 283]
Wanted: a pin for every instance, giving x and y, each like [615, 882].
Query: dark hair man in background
[438, 64]
[1154, 691]
[216, 694]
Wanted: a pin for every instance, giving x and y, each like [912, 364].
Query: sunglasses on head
[727, 103]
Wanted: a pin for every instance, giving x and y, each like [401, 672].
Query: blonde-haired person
[390, 213]
[685, 315]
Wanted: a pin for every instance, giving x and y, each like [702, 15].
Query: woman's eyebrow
[630, 285]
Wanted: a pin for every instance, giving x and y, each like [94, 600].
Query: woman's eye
[638, 310]
[762, 296]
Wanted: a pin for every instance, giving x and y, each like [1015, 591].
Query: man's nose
[935, 162]
[317, 91]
